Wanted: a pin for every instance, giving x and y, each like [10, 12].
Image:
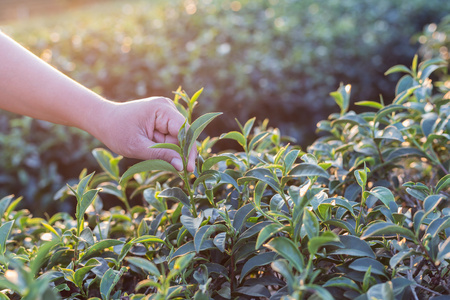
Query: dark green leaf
[387, 230]
[176, 194]
[404, 152]
[94, 249]
[257, 290]
[309, 170]
[398, 68]
[361, 265]
[316, 242]
[109, 281]
[242, 215]
[5, 230]
[354, 246]
[257, 261]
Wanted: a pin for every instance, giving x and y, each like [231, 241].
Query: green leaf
[372, 104]
[257, 261]
[444, 251]
[109, 281]
[287, 249]
[400, 256]
[342, 282]
[404, 152]
[82, 206]
[383, 229]
[383, 194]
[107, 162]
[103, 244]
[398, 68]
[361, 265]
[170, 146]
[150, 196]
[341, 224]
[196, 129]
[386, 111]
[257, 139]
[381, 291]
[81, 273]
[181, 263]
[201, 234]
[237, 136]
[443, 183]
[38, 260]
[176, 194]
[4, 203]
[5, 230]
[316, 242]
[144, 264]
[220, 241]
[248, 127]
[211, 161]
[267, 232]
[308, 170]
[257, 290]
[426, 72]
[191, 224]
[195, 96]
[242, 215]
[342, 97]
[431, 202]
[83, 185]
[437, 225]
[310, 223]
[392, 133]
[263, 175]
[147, 166]
[353, 246]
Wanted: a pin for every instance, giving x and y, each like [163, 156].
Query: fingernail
[177, 163]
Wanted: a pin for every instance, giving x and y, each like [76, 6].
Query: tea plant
[363, 214]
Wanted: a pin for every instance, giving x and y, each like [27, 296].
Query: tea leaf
[176, 194]
[287, 249]
[242, 215]
[109, 281]
[257, 261]
[237, 136]
[145, 265]
[147, 166]
[387, 230]
[170, 146]
[5, 231]
[309, 170]
[196, 129]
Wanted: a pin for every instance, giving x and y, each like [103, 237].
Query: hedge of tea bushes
[270, 59]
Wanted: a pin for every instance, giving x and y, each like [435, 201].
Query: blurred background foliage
[276, 59]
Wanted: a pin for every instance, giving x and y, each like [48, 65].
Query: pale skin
[31, 87]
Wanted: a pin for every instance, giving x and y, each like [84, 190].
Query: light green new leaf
[237, 136]
[147, 166]
[103, 244]
[107, 162]
[180, 265]
[170, 146]
[398, 68]
[82, 186]
[196, 129]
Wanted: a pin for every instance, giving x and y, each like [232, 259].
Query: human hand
[130, 128]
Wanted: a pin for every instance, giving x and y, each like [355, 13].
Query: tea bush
[251, 56]
[362, 214]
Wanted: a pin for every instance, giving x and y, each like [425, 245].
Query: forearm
[29, 86]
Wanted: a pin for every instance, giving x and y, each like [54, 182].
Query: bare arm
[31, 87]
